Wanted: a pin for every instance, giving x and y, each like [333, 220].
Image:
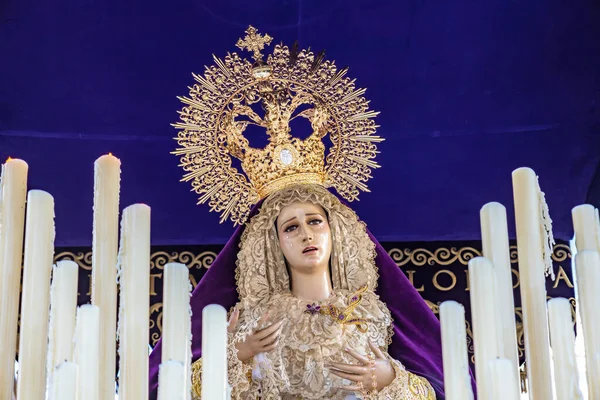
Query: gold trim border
[157, 259]
[450, 255]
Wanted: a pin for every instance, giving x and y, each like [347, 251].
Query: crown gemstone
[286, 157]
[261, 71]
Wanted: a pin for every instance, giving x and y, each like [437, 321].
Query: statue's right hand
[259, 341]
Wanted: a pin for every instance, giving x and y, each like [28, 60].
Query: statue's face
[304, 236]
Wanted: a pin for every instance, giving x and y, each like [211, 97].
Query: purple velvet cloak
[416, 342]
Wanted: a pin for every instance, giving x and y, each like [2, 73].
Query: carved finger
[273, 336]
[270, 347]
[351, 368]
[263, 333]
[345, 375]
[358, 356]
[377, 351]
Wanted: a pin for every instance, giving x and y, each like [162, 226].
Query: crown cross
[254, 42]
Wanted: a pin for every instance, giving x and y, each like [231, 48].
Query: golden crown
[219, 109]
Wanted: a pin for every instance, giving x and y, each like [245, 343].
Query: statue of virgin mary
[318, 309]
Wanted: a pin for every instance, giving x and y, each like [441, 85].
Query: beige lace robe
[309, 340]
[296, 368]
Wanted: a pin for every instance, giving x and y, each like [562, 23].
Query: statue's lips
[309, 249]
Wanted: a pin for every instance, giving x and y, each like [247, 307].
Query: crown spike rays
[294, 53]
[364, 161]
[194, 174]
[194, 103]
[187, 150]
[222, 66]
[353, 95]
[363, 115]
[205, 83]
[338, 76]
[318, 61]
[228, 209]
[187, 125]
[210, 192]
[367, 138]
[354, 181]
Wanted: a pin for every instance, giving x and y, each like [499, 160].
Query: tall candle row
[85, 367]
[65, 350]
[547, 325]
[69, 351]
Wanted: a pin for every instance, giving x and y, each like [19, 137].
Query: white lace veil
[261, 270]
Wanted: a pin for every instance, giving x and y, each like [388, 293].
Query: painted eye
[316, 221]
[290, 228]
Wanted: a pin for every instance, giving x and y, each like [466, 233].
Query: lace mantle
[308, 341]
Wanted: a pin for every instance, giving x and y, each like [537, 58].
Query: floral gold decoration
[288, 84]
[446, 256]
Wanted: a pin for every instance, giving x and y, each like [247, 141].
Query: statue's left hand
[369, 374]
[260, 341]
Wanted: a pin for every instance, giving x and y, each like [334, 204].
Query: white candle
[504, 385]
[107, 170]
[587, 263]
[485, 324]
[533, 284]
[457, 380]
[134, 311]
[562, 339]
[494, 233]
[176, 334]
[13, 191]
[214, 352]
[65, 382]
[87, 351]
[171, 380]
[63, 306]
[586, 227]
[597, 365]
[35, 302]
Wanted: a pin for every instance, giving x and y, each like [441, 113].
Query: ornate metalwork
[254, 42]
[288, 85]
[449, 255]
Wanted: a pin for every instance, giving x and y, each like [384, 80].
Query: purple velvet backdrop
[468, 92]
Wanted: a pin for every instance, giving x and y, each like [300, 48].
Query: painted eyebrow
[295, 218]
